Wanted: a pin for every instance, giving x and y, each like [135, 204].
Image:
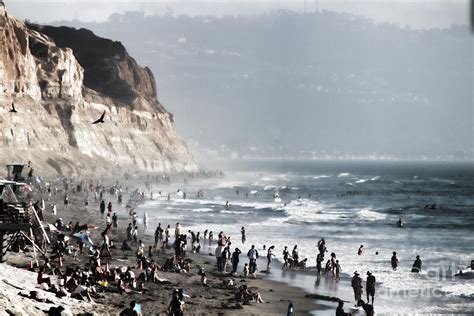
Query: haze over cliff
[61, 79]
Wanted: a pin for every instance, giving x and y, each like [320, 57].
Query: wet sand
[213, 299]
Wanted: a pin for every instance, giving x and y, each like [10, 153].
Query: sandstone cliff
[62, 79]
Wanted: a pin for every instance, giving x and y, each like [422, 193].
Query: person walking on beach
[167, 235]
[394, 261]
[356, 284]
[145, 220]
[129, 232]
[235, 260]
[416, 268]
[338, 271]
[270, 254]
[370, 286]
[286, 256]
[105, 244]
[158, 234]
[115, 221]
[242, 232]
[252, 254]
[102, 208]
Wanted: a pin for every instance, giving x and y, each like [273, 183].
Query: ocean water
[349, 204]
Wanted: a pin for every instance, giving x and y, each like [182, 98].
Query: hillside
[60, 80]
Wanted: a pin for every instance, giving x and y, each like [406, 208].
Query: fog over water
[291, 80]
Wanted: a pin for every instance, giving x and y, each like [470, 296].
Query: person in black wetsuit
[416, 268]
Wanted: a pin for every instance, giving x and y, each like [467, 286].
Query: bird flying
[100, 120]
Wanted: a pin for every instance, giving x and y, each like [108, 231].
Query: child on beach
[246, 270]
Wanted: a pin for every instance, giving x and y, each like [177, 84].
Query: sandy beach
[216, 298]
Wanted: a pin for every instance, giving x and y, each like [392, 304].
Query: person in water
[286, 256]
[416, 268]
[394, 261]
[370, 286]
[361, 250]
[400, 223]
[242, 232]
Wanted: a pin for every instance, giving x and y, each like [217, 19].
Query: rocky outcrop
[62, 79]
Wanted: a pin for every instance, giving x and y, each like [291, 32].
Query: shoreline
[216, 298]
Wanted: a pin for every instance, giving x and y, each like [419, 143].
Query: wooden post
[2, 239]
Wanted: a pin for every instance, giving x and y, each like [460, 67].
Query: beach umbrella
[84, 237]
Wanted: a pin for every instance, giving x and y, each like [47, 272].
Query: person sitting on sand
[176, 307]
[340, 310]
[130, 311]
[247, 296]
[42, 279]
[369, 309]
[204, 279]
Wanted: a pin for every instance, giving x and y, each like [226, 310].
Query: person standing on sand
[102, 208]
[158, 234]
[177, 230]
[235, 260]
[356, 284]
[66, 200]
[167, 235]
[115, 221]
[252, 254]
[211, 237]
[270, 254]
[226, 255]
[394, 261]
[370, 286]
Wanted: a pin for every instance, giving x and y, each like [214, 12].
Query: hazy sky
[413, 13]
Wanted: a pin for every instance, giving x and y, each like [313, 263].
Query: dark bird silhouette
[13, 110]
[101, 119]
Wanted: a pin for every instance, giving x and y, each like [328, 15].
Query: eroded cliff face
[62, 79]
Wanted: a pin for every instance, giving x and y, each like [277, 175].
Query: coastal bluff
[60, 80]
